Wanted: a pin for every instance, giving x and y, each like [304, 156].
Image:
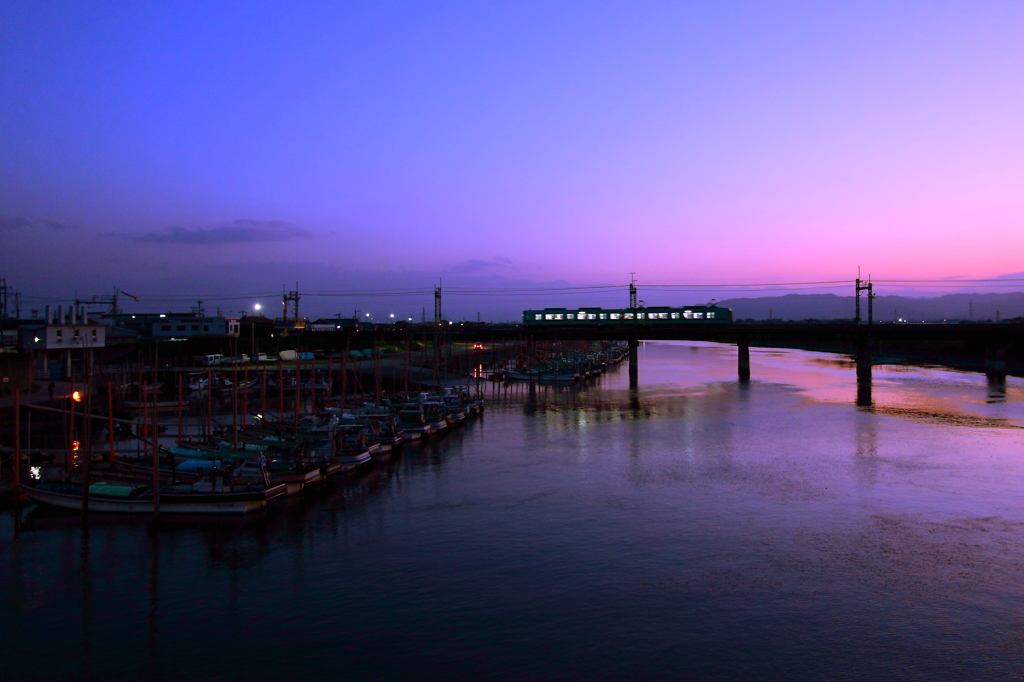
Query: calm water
[697, 529]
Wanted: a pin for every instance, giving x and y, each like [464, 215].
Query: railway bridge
[987, 343]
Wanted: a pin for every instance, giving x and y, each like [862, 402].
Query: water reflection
[996, 388]
[647, 531]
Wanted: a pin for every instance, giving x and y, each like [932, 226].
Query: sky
[224, 150]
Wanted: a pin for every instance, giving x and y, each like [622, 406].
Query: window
[675, 316]
[688, 314]
[94, 336]
[558, 316]
[538, 316]
[166, 327]
[206, 327]
[571, 316]
[60, 335]
[602, 316]
[549, 316]
[614, 316]
[195, 327]
[698, 316]
[627, 316]
[711, 315]
[180, 328]
[639, 316]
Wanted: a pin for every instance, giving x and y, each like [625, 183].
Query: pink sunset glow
[204, 149]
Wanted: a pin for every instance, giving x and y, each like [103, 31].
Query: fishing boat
[197, 498]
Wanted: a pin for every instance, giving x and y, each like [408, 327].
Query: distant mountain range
[886, 308]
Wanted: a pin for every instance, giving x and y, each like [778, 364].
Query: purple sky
[203, 149]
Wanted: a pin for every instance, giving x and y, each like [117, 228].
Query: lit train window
[698, 316]
[675, 316]
[570, 316]
[558, 316]
[591, 316]
[660, 316]
[538, 316]
[614, 316]
[639, 316]
[627, 316]
[603, 316]
[688, 314]
[710, 315]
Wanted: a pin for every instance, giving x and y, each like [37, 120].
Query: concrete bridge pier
[863, 359]
[634, 363]
[743, 353]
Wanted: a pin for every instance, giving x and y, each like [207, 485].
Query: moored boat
[138, 499]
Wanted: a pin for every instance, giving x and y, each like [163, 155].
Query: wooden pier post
[71, 431]
[110, 418]
[17, 439]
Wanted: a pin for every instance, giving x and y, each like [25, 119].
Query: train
[651, 315]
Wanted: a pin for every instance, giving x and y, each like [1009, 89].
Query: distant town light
[77, 396]
[257, 306]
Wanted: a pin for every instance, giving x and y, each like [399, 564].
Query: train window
[570, 316]
[639, 316]
[627, 316]
[614, 316]
[710, 315]
[675, 316]
[698, 316]
[688, 314]
[549, 316]
[591, 316]
[662, 316]
[539, 316]
[602, 316]
[558, 316]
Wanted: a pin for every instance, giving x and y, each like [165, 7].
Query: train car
[654, 315]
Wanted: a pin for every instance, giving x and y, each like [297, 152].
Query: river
[696, 528]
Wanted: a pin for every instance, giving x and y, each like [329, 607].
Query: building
[334, 324]
[60, 343]
[174, 325]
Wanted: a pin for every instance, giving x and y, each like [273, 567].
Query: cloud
[476, 265]
[25, 223]
[236, 232]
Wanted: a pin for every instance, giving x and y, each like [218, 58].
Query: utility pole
[862, 285]
[632, 290]
[871, 302]
[294, 297]
[437, 304]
